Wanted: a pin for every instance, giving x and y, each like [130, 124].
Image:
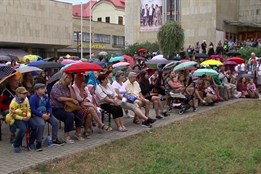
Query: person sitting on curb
[42, 112]
[19, 117]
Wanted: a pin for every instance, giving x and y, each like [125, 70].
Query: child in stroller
[183, 101]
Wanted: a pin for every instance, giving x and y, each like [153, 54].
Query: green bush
[246, 52]
[131, 49]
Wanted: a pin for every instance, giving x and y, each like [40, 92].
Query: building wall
[97, 28]
[35, 22]
[106, 9]
[250, 11]
[198, 19]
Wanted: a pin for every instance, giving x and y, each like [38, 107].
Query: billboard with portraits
[150, 15]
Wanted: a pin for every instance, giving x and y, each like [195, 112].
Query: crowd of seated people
[78, 100]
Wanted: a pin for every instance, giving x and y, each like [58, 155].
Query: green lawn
[226, 140]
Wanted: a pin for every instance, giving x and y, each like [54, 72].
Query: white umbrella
[159, 59]
[103, 53]
[25, 69]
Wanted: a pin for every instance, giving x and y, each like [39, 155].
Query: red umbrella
[129, 59]
[142, 49]
[82, 67]
[216, 57]
[238, 60]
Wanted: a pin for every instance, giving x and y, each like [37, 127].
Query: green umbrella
[207, 72]
[184, 65]
[115, 59]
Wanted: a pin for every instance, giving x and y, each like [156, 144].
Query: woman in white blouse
[88, 109]
[108, 100]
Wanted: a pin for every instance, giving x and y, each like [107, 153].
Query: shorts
[127, 105]
[148, 97]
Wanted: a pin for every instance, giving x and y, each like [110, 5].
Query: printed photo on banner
[150, 15]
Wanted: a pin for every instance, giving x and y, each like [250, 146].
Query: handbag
[69, 106]
[130, 98]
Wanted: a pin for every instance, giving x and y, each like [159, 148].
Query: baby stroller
[183, 101]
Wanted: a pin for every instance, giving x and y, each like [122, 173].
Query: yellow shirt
[132, 88]
[19, 111]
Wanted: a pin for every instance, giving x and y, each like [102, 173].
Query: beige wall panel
[40, 22]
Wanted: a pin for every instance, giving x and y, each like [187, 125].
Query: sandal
[106, 128]
[121, 129]
[79, 137]
[136, 121]
[68, 140]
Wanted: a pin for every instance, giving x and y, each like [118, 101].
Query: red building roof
[76, 9]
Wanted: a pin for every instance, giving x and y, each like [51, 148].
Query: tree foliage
[131, 49]
[170, 38]
[246, 52]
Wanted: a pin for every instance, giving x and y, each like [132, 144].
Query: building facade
[107, 28]
[213, 20]
[38, 27]
[104, 37]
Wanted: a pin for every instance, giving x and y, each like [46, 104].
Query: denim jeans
[22, 125]
[41, 125]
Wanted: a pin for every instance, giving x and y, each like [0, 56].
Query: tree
[131, 49]
[170, 38]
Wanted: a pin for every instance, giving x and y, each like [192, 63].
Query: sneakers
[57, 143]
[151, 120]
[165, 113]
[39, 146]
[146, 124]
[17, 149]
[159, 117]
[12, 138]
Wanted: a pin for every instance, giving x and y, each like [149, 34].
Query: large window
[173, 10]
[118, 41]
[86, 37]
[99, 19]
[120, 20]
[77, 37]
[107, 19]
[102, 38]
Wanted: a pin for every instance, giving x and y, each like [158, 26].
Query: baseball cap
[38, 86]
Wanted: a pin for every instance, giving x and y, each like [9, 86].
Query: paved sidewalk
[11, 162]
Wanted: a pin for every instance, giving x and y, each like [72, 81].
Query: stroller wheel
[181, 111]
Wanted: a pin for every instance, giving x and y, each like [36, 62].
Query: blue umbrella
[184, 65]
[115, 59]
[207, 72]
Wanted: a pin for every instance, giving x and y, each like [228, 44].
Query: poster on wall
[150, 15]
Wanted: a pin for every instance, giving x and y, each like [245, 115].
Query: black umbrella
[48, 59]
[201, 55]
[55, 77]
[45, 65]
[233, 53]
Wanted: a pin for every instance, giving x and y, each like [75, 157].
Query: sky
[74, 1]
